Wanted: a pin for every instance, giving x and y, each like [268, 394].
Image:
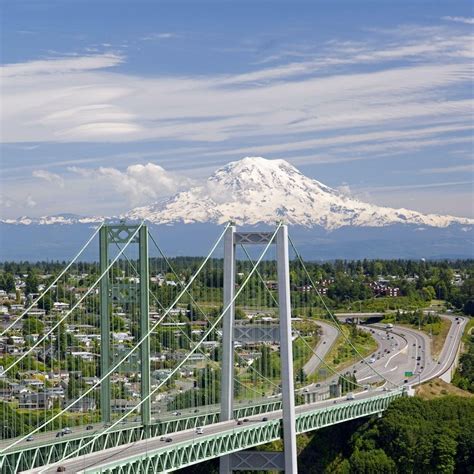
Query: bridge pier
[112, 292]
[227, 381]
[286, 348]
[104, 325]
[286, 353]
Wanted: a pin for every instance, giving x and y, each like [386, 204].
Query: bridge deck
[188, 448]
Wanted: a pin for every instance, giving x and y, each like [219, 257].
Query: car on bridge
[199, 430]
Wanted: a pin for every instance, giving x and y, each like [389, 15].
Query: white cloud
[50, 177]
[344, 188]
[141, 184]
[54, 66]
[459, 19]
[5, 202]
[159, 36]
[30, 202]
[469, 168]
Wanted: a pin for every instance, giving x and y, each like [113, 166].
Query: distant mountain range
[258, 192]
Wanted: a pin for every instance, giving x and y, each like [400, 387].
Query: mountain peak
[258, 190]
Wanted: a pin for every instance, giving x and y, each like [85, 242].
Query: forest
[419, 281]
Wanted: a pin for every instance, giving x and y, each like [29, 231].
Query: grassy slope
[438, 388]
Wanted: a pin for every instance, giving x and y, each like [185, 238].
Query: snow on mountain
[256, 190]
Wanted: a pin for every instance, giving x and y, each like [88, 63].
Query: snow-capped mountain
[256, 190]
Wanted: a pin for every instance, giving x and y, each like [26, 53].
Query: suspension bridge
[141, 363]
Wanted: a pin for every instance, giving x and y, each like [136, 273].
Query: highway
[329, 336]
[403, 350]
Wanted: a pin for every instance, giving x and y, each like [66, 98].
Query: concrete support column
[286, 352]
[144, 324]
[227, 378]
[104, 324]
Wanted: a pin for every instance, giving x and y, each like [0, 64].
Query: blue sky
[107, 105]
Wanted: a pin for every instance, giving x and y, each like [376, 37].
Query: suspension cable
[334, 318]
[303, 339]
[203, 312]
[45, 336]
[174, 320]
[35, 302]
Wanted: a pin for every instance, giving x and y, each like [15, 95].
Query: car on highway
[240, 422]
[162, 438]
[89, 427]
[168, 440]
[350, 396]
[30, 438]
[61, 469]
[372, 360]
[199, 430]
[67, 430]
[264, 418]
[245, 420]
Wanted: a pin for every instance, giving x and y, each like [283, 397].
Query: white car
[199, 430]
[350, 396]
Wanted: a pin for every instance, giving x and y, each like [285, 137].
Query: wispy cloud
[403, 187]
[459, 19]
[50, 177]
[54, 66]
[469, 168]
[82, 99]
[159, 36]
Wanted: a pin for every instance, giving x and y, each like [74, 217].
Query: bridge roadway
[113, 458]
[329, 334]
